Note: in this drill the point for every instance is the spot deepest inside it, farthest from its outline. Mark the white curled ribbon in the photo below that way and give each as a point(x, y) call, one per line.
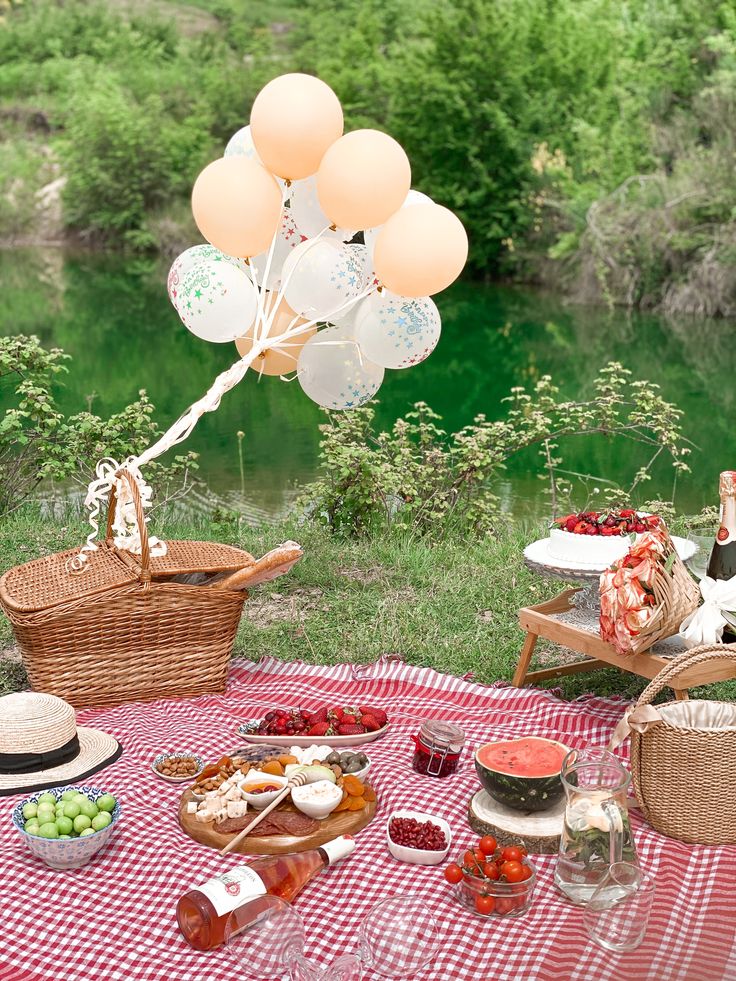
point(705, 625)
point(127, 536)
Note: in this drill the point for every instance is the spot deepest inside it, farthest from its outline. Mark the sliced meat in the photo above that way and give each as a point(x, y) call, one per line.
point(231, 825)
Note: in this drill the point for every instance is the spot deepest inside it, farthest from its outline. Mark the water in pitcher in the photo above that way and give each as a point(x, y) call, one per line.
point(596, 831)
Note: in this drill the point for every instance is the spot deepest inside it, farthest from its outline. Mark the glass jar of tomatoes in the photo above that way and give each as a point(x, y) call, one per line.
point(437, 748)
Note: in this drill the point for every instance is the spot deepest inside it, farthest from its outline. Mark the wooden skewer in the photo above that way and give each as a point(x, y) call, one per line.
point(298, 780)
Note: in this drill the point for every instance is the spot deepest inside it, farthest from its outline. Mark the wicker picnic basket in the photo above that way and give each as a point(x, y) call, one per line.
point(683, 757)
point(121, 630)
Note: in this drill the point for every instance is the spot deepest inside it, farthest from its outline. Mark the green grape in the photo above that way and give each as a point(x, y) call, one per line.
point(48, 830)
point(106, 803)
point(65, 825)
point(30, 810)
point(101, 821)
point(81, 823)
point(86, 832)
point(71, 809)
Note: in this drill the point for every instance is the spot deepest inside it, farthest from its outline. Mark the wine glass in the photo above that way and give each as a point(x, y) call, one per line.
point(397, 938)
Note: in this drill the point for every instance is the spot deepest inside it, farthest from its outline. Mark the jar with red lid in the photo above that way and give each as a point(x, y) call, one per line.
point(437, 748)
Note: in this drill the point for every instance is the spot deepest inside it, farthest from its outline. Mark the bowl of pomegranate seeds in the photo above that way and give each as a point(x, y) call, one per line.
point(418, 838)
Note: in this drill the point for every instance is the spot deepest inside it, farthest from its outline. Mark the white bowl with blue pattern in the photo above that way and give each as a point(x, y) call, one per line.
point(74, 852)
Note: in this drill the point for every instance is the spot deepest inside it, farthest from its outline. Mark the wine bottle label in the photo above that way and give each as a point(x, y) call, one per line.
point(727, 532)
point(338, 848)
point(232, 889)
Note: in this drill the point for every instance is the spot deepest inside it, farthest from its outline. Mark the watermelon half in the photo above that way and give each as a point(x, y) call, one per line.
point(522, 773)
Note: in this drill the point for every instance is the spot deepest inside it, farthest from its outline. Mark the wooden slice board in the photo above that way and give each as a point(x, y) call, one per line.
point(342, 823)
point(540, 830)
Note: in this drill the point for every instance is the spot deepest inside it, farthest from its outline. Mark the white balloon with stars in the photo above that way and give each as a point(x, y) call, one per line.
point(320, 277)
point(397, 331)
point(217, 301)
point(333, 371)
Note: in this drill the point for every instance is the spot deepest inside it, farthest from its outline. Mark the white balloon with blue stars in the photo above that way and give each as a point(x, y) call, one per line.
point(333, 371)
point(397, 331)
point(320, 276)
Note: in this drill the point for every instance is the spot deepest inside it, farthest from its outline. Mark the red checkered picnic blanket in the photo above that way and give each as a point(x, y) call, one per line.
point(115, 918)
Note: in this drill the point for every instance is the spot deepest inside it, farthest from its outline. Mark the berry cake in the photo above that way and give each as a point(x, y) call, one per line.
point(593, 538)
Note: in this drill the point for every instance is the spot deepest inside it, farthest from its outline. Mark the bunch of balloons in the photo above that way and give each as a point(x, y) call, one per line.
point(321, 259)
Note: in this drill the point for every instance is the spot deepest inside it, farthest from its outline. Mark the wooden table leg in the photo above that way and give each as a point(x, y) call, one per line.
point(681, 694)
point(524, 659)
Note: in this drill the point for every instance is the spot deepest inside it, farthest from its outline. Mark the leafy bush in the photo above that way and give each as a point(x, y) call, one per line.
point(39, 443)
point(123, 159)
point(419, 479)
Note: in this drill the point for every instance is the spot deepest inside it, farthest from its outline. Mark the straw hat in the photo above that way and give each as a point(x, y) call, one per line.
point(41, 745)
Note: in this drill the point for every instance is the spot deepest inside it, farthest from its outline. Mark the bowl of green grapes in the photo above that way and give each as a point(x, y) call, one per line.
point(66, 827)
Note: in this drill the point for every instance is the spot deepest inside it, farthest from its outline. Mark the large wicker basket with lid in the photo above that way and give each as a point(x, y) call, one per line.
point(121, 630)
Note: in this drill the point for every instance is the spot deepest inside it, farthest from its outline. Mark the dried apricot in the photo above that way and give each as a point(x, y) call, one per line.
point(287, 759)
point(274, 768)
point(356, 803)
point(344, 804)
point(353, 786)
point(369, 793)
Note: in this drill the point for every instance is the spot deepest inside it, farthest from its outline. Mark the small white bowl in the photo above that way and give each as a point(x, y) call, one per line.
point(318, 809)
point(419, 856)
point(259, 801)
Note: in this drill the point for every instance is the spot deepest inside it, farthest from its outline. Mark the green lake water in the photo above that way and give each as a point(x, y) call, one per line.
point(113, 316)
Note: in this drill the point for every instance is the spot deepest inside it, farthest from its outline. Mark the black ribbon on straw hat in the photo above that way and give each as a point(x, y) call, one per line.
point(30, 762)
point(41, 745)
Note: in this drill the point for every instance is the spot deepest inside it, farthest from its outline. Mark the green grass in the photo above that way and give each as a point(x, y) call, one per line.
point(452, 606)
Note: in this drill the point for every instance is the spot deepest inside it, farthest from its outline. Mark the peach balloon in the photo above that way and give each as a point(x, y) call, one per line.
point(420, 250)
point(363, 179)
point(236, 204)
point(277, 359)
point(293, 120)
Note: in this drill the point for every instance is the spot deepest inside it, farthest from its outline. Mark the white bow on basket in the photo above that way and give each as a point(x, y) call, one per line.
point(124, 525)
point(705, 625)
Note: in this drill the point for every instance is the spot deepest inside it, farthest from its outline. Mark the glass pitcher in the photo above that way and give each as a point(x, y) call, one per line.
point(596, 832)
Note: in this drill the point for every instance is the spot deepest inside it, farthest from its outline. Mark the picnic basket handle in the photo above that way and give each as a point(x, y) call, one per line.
point(687, 659)
point(145, 573)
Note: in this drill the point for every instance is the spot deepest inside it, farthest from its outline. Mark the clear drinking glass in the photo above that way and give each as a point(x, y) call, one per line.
point(397, 938)
point(617, 914)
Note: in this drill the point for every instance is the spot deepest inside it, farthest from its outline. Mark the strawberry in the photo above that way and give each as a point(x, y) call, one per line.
point(313, 718)
point(378, 714)
point(570, 523)
point(350, 730)
point(349, 719)
point(336, 714)
point(370, 722)
point(320, 729)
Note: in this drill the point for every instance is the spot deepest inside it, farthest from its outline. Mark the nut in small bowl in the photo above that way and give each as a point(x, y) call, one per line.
point(417, 838)
point(177, 767)
point(260, 789)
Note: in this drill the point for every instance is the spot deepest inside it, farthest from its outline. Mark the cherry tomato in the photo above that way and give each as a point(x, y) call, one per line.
point(479, 856)
point(511, 854)
point(484, 904)
point(527, 873)
point(488, 844)
point(453, 873)
point(490, 871)
point(514, 871)
point(504, 906)
point(470, 861)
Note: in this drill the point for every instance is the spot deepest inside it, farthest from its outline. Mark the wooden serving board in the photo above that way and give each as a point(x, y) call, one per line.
point(342, 823)
point(539, 830)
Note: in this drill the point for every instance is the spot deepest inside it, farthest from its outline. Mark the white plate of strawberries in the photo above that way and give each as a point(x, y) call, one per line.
point(336, 725)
